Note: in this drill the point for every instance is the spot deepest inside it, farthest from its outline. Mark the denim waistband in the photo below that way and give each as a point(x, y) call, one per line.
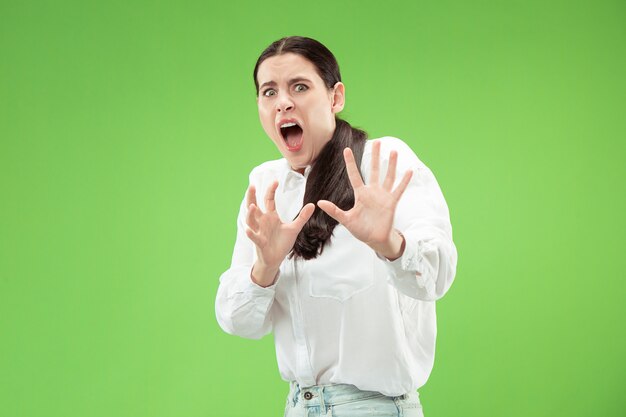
point(332, 394)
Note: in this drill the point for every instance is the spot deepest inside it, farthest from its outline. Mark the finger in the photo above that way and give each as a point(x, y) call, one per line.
point(333, 211)
point(397, 193)
point(375, 170)
point(251, 217)
point(353, 171)
point(304, 216)
point(251, 195)
point(270, 204)
point(391, 171)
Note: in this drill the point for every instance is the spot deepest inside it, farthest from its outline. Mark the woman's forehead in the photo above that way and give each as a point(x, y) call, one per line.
point(285, 67)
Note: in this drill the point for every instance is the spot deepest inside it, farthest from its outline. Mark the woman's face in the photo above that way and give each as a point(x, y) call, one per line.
point(296, 109)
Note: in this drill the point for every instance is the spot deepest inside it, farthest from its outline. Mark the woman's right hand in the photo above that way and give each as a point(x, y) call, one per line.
point(273, 238)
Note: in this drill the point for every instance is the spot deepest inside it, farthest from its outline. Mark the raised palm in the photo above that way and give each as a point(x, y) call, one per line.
point(273, 238)
point(371, 218)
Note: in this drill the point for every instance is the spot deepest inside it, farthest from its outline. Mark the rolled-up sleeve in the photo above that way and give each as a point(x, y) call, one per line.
point(427, 266)
point(242, 307)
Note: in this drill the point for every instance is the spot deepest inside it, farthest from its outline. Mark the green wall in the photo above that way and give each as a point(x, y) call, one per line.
point(127, 132)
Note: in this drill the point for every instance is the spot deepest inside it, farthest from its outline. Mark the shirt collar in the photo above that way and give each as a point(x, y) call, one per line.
point(294, 174)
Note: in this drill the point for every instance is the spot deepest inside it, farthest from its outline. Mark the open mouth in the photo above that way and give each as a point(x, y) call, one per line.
point(292, 135)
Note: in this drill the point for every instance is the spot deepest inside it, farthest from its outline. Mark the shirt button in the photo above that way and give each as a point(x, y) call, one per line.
point(308, 395)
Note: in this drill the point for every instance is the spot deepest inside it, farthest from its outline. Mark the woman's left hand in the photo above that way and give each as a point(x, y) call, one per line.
point(371, 218)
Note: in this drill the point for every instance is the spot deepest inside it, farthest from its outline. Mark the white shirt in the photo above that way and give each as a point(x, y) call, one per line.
point(348, 316)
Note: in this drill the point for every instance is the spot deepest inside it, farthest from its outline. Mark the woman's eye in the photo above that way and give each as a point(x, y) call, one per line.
point(301, 87)
point(269, 92)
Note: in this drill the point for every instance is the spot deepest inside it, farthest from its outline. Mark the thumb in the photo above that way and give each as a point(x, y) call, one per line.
point(304, 216)
point(332, 210)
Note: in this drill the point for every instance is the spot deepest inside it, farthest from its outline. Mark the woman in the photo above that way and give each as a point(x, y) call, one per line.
point(337, 255)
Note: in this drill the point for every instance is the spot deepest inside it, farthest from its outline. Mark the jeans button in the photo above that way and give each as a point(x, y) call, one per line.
point(308, 395)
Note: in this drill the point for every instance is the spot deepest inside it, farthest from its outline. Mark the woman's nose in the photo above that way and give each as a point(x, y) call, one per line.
point(284, 103)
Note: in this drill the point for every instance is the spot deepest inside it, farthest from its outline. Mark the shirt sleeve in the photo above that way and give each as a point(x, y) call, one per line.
point(243, 307)
point(427, 266)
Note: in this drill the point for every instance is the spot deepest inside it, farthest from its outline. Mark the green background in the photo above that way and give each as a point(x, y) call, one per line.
point(127, 132)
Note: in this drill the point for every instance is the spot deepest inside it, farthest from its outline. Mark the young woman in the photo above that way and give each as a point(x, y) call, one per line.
point(343, 245)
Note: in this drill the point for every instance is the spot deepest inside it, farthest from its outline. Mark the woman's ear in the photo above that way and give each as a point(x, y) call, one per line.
point(338, 97)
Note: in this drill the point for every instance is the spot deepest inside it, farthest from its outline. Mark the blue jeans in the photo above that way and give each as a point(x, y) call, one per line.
point(343, 400)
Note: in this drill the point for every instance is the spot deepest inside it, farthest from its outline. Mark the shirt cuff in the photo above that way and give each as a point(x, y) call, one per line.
point(253, 298)
point(264, 290)
point(246, 290)
point(411, 273)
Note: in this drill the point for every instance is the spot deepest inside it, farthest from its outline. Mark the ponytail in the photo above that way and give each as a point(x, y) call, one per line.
point(328, 180)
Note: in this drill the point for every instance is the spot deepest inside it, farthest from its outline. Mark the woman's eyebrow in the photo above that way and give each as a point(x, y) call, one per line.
point(298, 79)
point(268, 83)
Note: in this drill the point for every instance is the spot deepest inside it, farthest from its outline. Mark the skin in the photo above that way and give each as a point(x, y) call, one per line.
point(314, 106)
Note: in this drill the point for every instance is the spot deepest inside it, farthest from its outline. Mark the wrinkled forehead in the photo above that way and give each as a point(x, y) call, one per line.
point(281, 68)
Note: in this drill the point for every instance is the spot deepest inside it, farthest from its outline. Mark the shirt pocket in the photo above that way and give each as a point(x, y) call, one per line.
point(345, 268)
